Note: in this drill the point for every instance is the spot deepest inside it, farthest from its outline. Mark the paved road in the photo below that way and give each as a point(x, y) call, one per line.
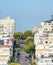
point(23, 59)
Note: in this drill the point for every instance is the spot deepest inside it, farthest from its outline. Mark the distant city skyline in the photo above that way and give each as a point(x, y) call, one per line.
point(27, 13)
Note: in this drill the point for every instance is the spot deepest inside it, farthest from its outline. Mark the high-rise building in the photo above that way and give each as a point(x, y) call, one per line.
point(7, 25)
point(7, 28)
point(43, 41)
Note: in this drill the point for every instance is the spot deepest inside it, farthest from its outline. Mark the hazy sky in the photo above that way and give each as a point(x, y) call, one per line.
point(27, 13)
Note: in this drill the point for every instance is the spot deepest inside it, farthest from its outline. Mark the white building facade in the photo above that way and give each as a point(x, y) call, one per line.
point(7, 28)
point(43, 41)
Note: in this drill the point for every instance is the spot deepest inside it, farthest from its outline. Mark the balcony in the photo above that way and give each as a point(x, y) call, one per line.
point(45, 61)
point(40, 47)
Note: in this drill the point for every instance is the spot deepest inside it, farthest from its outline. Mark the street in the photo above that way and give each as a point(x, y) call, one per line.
point(23, 55)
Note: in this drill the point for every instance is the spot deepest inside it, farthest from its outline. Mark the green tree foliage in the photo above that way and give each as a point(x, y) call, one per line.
point(23, 36)
point(33, 63)
point(29, 39)
point(18, 35)
point(28, 48)
point(18, 41)
point(27, 34)
point(16, 50)
point(12, 63)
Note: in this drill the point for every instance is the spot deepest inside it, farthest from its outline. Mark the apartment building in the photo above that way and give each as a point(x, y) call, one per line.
point(43, 40)
point(7, 25)
point(7, 28)
point(35, 29)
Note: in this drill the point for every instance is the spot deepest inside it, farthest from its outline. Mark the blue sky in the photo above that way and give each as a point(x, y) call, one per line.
point(27, 13)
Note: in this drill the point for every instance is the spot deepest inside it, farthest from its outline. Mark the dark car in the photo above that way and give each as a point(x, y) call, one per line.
point(29, 56)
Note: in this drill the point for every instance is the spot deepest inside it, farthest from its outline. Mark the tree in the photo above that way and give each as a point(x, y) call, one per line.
point(33, 63)
point(28, 48)
point(12, 63)
point(29, 39)
point(27, 34)
point(16, 50)
point(24, 35)
point(16, 54)
point(18, 41)
point(18, 35)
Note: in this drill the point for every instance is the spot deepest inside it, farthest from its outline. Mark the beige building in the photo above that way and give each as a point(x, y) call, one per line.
point(43, 40)
point(35, 29)
point(7, 25)
point(7, 28)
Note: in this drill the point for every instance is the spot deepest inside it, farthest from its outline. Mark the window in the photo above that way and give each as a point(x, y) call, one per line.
point(42, 56)
point(52, 60)
point(50, 42)
point(2, 42)
point(52, 26)
point(46, 29)
point(7, 41)
point(52, 29)
point(49, 24)
point(46, 42)
point(10, 49)
point(3, 36)
point(1, 28)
